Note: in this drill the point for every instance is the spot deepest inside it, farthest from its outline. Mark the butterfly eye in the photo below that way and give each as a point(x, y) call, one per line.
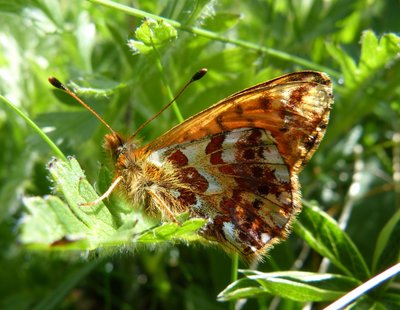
point(115, 145)
point(117, 151)
point(120, 150)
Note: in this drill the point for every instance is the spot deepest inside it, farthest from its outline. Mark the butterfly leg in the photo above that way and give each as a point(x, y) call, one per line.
point(162, 205)
point(105, 195)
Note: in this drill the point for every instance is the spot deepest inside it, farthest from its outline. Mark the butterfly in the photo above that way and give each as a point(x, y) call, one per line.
point(235, 164)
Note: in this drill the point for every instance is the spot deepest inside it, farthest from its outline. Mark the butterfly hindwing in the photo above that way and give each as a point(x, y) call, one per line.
point(240, 183)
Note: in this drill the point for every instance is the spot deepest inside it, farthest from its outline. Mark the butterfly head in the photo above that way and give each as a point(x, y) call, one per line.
point(115, 145)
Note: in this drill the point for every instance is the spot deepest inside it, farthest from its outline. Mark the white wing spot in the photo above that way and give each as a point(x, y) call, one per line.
point(265, 238)
point(198, 204)
point(213, 185)
point(229, 232)
point(175, 193)
point(191, 150)
point(155, 159)
point(271, 155)
point(228, 156)
point(282, 174)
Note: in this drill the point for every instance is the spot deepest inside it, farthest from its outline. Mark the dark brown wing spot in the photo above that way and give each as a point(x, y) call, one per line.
point(284, 128)
point(238, 109)
point(297, 95)
point(263, 189)
point(257, 203)
point(228, 169)
point(265, 103)
point(220, 122)
point(322, 125)
point(253, 139)
point(257, 172)
point(187, 197)
point(215, 143)
point(248, 154)
point(216, 158)
point(178, 158)
point(309, 144)
point(193, 178)
point(260, 152)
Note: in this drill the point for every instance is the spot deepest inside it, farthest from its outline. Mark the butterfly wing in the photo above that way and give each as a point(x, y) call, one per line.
point(240, 159)
point(240, 183)
point(294, 108)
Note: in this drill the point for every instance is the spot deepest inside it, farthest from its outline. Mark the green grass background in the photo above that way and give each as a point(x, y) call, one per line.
point(354, 176)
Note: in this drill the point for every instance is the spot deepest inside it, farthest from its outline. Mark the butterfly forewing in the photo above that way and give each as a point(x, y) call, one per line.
point(293, 108)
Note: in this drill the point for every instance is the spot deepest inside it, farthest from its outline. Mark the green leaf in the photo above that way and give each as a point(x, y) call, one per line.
point(138, 47)
point(52, 221)
point(387, 251)
point(392, 299)
point(171, 230)
point(367, 82)
point(376, 54)
point(70, 182)
point(242, 288)
point(64, 224)
point(294, 285)
point(152, 34)
point(324, 235)
point(49, 220)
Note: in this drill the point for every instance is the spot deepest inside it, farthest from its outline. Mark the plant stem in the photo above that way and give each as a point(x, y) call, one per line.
point(234, 276)
point(166, 85)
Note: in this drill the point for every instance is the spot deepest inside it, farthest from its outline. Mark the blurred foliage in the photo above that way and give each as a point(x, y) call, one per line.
point(98, 48)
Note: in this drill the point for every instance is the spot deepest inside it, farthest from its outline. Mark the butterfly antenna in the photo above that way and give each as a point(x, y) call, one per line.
point(197, 76)
point(57, 84)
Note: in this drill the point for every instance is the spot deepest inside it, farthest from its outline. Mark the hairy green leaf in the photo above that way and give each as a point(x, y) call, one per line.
point(294, 285)
point(324, 235)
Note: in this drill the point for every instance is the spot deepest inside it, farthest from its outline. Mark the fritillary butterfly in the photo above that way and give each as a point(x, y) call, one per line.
point(235, 164)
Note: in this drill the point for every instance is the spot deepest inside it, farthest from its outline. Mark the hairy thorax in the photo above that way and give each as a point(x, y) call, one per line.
point(156, 186)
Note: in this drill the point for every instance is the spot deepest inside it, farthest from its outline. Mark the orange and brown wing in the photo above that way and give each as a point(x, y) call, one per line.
point(294, 108)
point(239, 182)
point(239, 159)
